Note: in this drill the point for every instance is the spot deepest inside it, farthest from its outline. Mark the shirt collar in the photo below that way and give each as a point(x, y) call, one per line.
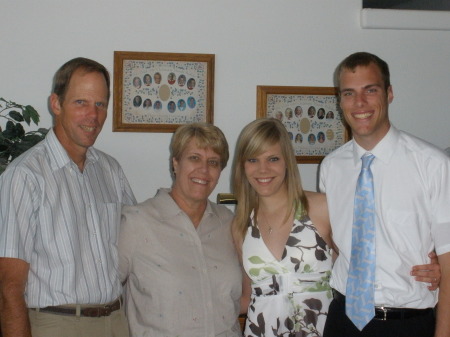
point(169, 207)
point(383, 151)
point(58, 155)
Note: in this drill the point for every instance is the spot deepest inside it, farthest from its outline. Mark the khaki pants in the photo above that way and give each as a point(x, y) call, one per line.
point(54, 325)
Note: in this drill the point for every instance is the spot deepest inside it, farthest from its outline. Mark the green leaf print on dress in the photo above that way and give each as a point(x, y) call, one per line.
point(290, 297)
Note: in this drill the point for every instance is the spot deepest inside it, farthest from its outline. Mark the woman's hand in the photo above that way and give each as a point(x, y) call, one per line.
point(430, 273)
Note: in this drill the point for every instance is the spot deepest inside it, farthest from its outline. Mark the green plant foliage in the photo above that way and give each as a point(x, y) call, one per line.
point(13, 138)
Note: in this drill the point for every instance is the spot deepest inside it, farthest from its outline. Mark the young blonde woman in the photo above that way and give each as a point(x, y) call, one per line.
point(283, 236)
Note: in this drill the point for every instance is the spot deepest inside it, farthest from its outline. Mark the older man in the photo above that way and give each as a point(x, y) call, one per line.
point(59, 218)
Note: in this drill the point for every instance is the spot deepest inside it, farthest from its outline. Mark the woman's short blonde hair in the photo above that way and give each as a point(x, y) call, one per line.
point(206, 136)
point(254, 139)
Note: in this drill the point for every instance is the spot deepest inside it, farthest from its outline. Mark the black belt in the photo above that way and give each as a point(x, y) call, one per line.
point(386, 313)
point(100, 311)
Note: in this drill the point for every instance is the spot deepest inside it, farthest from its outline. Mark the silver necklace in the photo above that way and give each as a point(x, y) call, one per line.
point(270, 229)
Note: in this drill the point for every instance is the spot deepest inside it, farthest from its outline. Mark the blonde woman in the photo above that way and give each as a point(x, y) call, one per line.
point(283, 235)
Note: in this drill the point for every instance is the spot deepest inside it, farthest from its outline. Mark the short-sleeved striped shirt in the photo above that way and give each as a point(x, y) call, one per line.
point(64, 223)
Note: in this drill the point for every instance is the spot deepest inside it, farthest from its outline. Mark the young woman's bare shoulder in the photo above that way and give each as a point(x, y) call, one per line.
point(318, 213)
point(315, 197)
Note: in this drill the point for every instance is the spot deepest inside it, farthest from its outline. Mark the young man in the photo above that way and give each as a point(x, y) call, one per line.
point(411, 213)
point(59, 217)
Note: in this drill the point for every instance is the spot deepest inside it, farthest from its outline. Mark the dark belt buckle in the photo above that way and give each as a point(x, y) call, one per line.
point(384, 310)
point(107, 310)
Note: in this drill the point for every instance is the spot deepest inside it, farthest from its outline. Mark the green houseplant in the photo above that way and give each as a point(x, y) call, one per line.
point(13, 138)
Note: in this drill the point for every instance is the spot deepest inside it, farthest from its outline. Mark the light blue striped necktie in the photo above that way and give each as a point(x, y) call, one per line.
point(359, 301)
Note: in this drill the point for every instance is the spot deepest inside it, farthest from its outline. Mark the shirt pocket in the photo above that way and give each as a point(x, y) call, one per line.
point(109, 220)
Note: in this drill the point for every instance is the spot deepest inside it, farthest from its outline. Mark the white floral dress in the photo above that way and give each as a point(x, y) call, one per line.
point(289, 297)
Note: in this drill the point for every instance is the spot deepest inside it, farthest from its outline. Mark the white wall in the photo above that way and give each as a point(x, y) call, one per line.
point(256, 42)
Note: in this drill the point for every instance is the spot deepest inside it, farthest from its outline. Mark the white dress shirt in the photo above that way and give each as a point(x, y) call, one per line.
point(412, 202)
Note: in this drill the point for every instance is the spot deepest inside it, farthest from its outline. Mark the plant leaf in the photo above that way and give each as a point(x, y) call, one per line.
point(17, 116)
point(20, 131)
point(32, 138)
point(43, 131)
point(26, 115)
point(32, 113)
point(9, 126)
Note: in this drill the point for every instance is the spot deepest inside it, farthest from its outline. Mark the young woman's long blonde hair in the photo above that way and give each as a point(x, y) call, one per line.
point(254, 140)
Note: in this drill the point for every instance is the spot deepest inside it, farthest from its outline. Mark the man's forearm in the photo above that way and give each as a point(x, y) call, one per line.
point(443, 309)
point(14, 315)
point(442, 320)
point(13, 310)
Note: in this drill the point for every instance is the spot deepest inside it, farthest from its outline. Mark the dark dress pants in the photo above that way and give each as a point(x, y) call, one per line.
point(339, 325)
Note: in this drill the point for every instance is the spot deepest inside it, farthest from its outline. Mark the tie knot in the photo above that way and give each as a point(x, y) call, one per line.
point(367, 160)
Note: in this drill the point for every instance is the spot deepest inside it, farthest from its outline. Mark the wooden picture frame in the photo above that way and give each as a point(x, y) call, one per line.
point(157, 92)
point(310, 114)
